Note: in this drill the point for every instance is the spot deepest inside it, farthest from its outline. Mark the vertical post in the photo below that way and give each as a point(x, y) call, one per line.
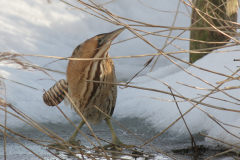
point(219, 9)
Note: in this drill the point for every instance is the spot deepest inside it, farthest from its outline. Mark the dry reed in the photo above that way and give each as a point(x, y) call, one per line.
point(99, 11)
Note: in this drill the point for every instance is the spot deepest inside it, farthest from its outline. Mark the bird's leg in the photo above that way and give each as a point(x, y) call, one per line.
point(116, 143)
point(72, 139)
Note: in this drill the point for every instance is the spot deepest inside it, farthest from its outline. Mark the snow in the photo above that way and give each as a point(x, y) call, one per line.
point(132, 102)
point(39, 28)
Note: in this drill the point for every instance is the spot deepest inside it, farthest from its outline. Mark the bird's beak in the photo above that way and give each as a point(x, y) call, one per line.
point(109, 37)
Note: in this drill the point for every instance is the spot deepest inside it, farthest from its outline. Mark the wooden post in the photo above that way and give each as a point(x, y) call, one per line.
point(215, 8)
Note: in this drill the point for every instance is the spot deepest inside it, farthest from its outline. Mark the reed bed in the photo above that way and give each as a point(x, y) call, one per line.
point(100, 11)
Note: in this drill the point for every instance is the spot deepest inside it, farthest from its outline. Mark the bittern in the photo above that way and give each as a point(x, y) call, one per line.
point(85, 94)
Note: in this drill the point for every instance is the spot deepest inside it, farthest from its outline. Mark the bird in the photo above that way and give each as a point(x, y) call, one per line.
point(82, 94)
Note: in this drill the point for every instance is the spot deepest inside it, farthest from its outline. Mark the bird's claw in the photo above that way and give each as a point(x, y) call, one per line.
point(117, 145)
point(72, 142)
point(112, 147)
point(57, 146)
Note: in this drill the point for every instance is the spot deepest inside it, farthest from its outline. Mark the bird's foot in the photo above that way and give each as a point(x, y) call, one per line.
point(72, 142)
point(117, 145)
point(57, 146)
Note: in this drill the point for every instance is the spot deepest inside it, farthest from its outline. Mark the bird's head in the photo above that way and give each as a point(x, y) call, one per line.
point(97, 46)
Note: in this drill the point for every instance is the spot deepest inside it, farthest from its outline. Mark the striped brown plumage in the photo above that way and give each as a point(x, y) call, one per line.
point(56, 94)
point(85, 95)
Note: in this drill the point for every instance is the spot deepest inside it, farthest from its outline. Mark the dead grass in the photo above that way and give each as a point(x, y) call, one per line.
point(98, 10)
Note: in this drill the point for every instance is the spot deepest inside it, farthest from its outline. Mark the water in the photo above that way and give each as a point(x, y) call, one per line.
point(164, 142)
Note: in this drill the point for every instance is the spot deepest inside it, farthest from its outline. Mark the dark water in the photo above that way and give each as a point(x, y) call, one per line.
point(165, 142)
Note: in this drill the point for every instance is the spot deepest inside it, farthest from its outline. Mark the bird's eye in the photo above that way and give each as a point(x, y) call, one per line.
point(99, 40)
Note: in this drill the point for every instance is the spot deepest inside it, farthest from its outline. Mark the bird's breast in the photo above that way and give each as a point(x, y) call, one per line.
point(87, 94)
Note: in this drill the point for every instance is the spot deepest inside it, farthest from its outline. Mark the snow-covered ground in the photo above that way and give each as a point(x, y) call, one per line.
point(39, 28)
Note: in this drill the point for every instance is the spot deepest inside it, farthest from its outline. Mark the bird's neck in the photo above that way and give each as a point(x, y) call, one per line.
point(102, 52)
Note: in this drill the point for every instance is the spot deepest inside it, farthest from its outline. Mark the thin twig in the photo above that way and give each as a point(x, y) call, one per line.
point(160, 91)
point(167, 37)
point(194, 105)
point(192, 138)
point(135, 135)
point(219, 141)
point(21, 144)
